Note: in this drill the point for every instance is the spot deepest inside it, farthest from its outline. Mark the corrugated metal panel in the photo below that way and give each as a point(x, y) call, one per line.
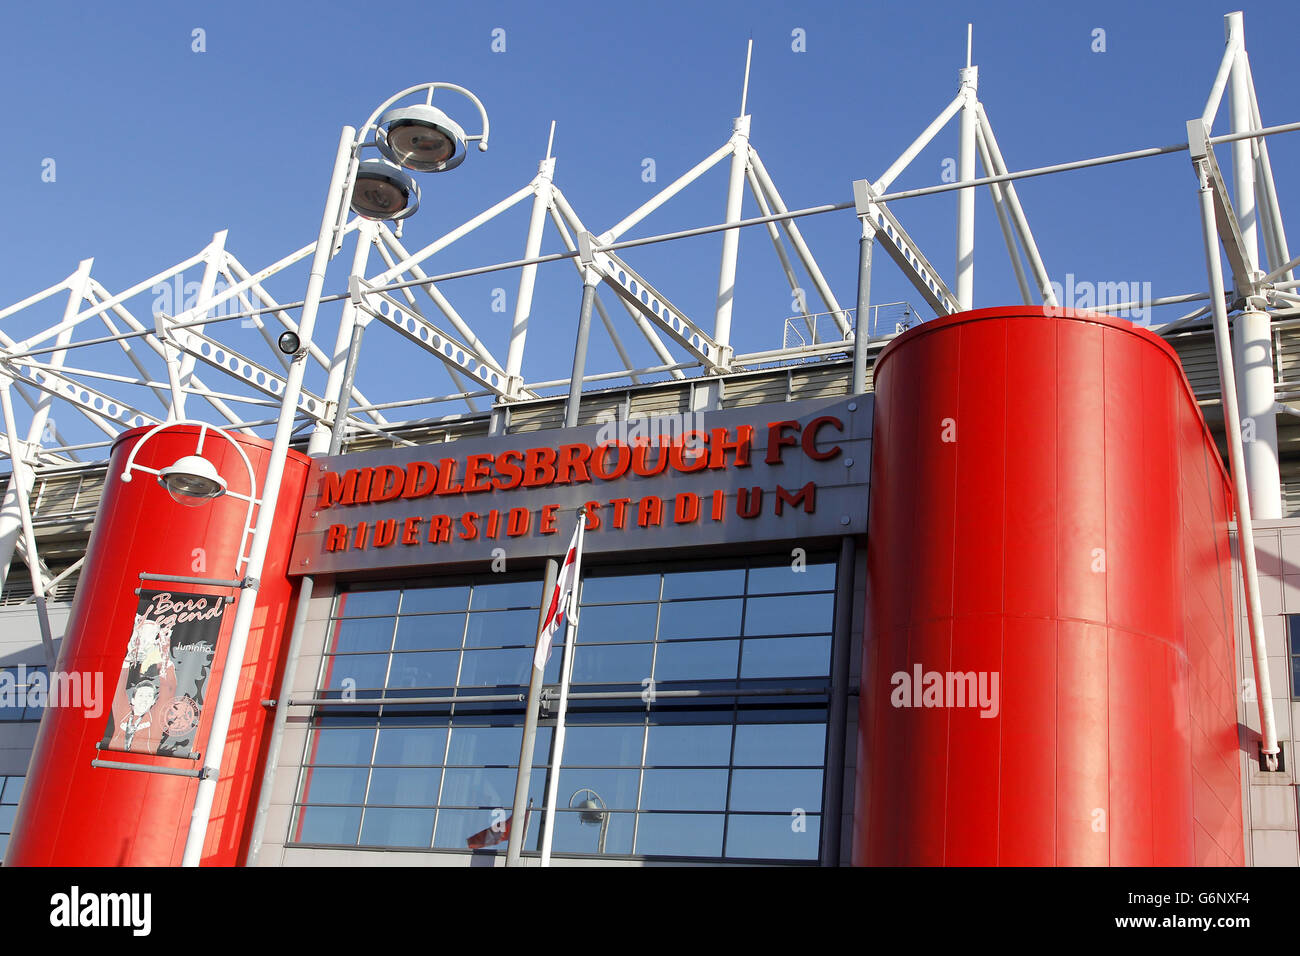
point(819, 382)
point(536, 417)
point(1196, 352)
point(18, 586)
point(663, 401)
point(755, 390)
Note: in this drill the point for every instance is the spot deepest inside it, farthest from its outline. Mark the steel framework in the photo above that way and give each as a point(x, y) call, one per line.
point(163, 350)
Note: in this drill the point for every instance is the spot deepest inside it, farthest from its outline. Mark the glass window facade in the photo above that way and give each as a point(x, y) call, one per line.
point(715, 748)
point(11, 789)
point(15, 702)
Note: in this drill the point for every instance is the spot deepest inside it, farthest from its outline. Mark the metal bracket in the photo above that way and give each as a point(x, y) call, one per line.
point(1246, 281)
point(903, 250)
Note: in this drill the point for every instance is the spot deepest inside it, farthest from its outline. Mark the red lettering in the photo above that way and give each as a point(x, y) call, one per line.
point(621, 463)
point(686, 508)
point(719, 446)
point(810, 438)
point(695, 462)
point(336, 538)
point(336, 489)
point(546, 524)
point(778, 439)
point(494, 524)
point(439, 529)
point(359, 542)
point(639, 449)
point(421, 479)
point(469, 526)
point(517, 521)
point(650, 511)
point(749, 501)
point(385, 531)
point(620, 512)
point(592, 515)
point(807, 496)
point(571, 465)
point(719, 502)
point(380, 487)
point(508, 468)
point(478, 472)
point(447, 484)
point(411, 531)
point(363, 486)
point(539, 467)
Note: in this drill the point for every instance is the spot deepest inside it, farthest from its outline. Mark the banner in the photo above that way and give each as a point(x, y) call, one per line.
point(159, 694)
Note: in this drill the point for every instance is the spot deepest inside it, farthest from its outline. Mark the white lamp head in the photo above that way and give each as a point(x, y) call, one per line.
point(192, 481)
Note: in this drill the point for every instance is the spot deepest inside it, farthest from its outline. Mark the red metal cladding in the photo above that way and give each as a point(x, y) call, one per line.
point(75, 814)
point(1048, 668)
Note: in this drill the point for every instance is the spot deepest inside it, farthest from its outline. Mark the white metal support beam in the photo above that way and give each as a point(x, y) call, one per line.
point(903, 250)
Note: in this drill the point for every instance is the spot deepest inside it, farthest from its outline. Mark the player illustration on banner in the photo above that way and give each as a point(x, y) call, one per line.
point(158, 700)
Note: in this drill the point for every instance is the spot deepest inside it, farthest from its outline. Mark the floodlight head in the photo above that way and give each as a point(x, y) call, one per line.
point(192, 481)
point(383, 192)
point(422, 138)
point(288, 343)
point(589, 811)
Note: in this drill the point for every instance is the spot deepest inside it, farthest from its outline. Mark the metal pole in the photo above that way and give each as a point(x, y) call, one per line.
point(1241, 495)
point(731, 238)
point(528, 274)
point(580, 348)
point(349, 377)
point(29, 536)
point(862, 328)
point(566, 676)
point(519, 810)
point(338, 384)
point(837, 729)
point(965, 286)
point(234, 662)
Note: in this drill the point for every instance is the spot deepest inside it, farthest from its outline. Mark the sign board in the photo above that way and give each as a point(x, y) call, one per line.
point(772, 473)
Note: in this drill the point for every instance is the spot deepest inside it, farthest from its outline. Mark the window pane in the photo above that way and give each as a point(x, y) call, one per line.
point(362, 603)
point(778, 837)
point(611, 664)
point(344, 745)
point(794, 614)
point(431, 669)
point(455, 827)
point(573, 835)
point(780, 745)
point(626, 587)
point(365, 670)
point(783, 790)
point(13, 789)
point(502, 629)
point(679, 834)
point(431, 631)
point(416, 787)
point(425, 600)
point(346, 785)
point(704, 583)
point(617, 789)
point(603, 746)
point(787, 657)
point(700, 619)
point(697, 660)
point(412, 828)
point(485, 746)
point(783, 577)
point(328, 825)
point(684, 790)
point(507, 594)
point(497, 668)
point(363, 634)
point(617, 623)
point(670, 745)
point(7, 814)
point(411, 746)
point(490, 788)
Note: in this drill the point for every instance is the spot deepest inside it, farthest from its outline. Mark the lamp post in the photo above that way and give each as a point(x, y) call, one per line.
point(419, 137)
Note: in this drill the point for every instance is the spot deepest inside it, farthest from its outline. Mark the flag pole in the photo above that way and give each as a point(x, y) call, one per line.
point(517, 834)
point(566, 674)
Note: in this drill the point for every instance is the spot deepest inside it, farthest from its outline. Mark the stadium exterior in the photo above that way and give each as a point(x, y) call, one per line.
point(964, 592)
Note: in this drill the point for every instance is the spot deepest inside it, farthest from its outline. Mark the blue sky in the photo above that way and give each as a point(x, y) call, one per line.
point(157, 146)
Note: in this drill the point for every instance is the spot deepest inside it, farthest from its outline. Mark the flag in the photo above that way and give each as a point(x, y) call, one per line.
point(494, 835)
point(562, 598)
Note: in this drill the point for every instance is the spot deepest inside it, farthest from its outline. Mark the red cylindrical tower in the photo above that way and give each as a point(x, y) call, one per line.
point(1048, 536)
point(75, 814)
